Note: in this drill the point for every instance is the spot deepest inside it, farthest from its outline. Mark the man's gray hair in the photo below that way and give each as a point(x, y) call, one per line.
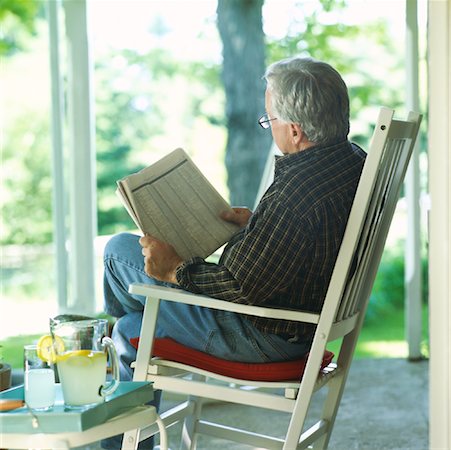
point(311, 94)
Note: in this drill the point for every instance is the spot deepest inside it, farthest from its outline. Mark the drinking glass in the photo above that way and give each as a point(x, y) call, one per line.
point(39, 381)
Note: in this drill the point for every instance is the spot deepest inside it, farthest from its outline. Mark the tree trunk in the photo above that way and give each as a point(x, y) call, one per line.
point(240, 27)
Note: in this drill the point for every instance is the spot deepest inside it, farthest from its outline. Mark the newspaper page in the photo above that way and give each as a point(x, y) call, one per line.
point(173, 201)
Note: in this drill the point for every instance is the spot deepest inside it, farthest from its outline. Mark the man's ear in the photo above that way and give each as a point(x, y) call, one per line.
point(297, 135)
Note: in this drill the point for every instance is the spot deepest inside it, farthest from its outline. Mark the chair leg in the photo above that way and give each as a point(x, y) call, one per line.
point(189, 431)
point(335, 393)
point(130, 440)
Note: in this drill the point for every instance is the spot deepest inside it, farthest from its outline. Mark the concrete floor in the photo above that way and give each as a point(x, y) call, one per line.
point(384, 407)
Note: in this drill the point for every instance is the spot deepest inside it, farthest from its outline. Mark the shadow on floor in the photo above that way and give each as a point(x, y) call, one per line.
point(384, 407)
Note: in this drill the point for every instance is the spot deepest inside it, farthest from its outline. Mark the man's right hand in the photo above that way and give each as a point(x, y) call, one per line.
point(239, 216)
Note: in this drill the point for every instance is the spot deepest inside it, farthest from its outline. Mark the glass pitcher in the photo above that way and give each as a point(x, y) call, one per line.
point(82, 350)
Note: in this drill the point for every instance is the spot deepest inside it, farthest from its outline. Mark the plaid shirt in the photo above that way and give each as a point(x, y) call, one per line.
point(284, 257)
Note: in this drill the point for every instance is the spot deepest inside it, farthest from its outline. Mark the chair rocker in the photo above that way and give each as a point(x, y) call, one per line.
point(274, 386)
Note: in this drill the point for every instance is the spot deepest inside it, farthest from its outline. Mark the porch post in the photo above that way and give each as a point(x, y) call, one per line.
point(59, 188)
point(412, 280)
point(439, 69)
point(83, 221)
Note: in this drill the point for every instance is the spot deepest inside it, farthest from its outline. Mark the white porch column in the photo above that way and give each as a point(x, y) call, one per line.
point(83, 221)
point(59, 188)
point(413, 276)
point(439, 68)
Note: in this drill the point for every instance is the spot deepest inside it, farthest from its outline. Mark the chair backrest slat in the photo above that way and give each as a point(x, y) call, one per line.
point(384, 183)
point(371, 213)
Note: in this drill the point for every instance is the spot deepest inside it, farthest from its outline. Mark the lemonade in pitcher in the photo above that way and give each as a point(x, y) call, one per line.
point(81, 350)
point(82, 374)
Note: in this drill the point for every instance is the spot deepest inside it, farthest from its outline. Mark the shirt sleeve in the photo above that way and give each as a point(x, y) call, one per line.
point(263, 262)
point(201, 277)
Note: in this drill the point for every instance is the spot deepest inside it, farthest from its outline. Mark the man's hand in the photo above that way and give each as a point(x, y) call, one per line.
point(240, 216)
point(160, 259)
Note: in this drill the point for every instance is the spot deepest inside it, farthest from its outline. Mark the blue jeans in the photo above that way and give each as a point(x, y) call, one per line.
point(224, 334)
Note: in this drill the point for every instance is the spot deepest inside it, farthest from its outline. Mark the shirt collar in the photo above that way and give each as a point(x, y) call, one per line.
point(283, 162)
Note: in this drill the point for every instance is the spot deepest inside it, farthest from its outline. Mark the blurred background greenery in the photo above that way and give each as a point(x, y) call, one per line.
point(171, 87)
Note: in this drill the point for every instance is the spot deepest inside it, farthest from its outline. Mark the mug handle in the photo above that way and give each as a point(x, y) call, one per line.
point(112, 356)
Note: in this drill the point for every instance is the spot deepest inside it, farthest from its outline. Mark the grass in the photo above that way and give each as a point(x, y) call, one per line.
point(382, 337)
point(11, 350)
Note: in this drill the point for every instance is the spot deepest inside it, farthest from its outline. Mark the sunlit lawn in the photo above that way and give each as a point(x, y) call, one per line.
point(384, 337)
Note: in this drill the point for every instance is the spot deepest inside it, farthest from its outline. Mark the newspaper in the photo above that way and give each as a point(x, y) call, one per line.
point(174, 202)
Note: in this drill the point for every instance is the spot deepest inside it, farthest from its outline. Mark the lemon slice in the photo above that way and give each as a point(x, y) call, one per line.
point(47, 348)
point(81, 357)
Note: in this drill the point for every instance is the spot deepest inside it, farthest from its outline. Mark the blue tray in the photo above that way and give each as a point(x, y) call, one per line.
point(128, 395)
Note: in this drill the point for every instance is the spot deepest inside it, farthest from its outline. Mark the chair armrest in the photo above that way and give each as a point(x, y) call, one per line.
point(181, 296)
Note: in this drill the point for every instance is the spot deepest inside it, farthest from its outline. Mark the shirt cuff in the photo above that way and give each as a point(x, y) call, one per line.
point(183, 276)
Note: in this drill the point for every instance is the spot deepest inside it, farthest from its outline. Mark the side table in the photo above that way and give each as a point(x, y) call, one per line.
point(63, 429)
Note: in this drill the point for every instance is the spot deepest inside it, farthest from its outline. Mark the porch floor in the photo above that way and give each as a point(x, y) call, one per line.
point(385, 406)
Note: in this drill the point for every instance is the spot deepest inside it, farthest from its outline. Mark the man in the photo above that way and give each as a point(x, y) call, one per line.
point(284, 253)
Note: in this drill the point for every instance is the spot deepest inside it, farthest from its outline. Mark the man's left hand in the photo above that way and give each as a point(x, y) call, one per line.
point(160, 259)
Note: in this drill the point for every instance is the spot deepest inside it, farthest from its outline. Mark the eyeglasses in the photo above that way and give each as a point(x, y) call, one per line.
point(264, 121)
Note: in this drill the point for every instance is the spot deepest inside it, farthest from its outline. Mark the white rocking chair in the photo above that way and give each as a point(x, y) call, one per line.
point(184, 371)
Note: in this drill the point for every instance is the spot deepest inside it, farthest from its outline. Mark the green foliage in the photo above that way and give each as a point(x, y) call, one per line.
point(384, 337)
point(333, 41)
point(17, 22)
point(134, 114)
point(27, 185)
point(120, 129)
point(144, 99)
point(133, 111)
point(388, 290)
point(12, 349)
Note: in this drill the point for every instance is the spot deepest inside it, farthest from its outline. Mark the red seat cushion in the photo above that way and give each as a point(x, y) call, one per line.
point(167, 348)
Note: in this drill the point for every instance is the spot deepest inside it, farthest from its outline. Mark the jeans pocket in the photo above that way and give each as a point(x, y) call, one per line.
point(222, 344)
point(278, 349)
point(236, 346)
